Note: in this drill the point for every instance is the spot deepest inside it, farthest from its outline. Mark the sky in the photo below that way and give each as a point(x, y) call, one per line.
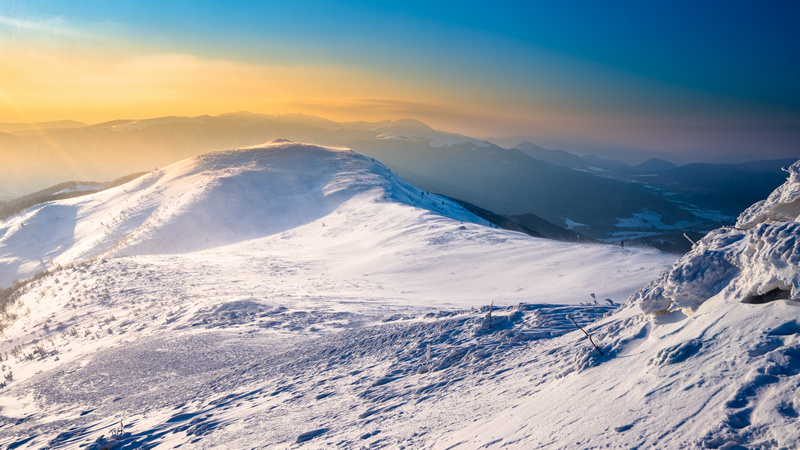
point(667, 76)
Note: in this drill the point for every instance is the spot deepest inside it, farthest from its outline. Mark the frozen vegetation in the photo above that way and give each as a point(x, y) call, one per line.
point(296, 296)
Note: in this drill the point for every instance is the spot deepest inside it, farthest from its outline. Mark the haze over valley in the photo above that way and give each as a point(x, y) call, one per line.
point(653, 202)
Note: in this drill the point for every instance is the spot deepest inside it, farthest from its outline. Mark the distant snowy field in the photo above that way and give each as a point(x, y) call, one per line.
point(296, 296)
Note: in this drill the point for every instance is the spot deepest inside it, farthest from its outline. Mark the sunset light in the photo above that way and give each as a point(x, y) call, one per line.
point(347, 224)
point(671, 79)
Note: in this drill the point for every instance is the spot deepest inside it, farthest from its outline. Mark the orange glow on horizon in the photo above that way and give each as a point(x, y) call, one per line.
point(103, 85)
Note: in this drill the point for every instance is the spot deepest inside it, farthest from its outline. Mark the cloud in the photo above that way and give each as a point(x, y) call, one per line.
point(386, 107)
point(53, 27)
point(110, 83)
point(449, 116)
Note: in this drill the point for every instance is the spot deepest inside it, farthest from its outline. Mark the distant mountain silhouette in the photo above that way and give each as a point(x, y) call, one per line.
point(549, 230)
point(39, 126)
point(607, 164)
point(654, 164)
point(557, 157)
point(609, 197)
point(68, 189)
point(529, 224)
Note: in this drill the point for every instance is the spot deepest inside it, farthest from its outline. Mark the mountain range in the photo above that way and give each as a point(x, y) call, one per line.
point(602, 199)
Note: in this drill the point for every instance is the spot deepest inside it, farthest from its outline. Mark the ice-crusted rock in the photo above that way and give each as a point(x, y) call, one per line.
point(757, 261)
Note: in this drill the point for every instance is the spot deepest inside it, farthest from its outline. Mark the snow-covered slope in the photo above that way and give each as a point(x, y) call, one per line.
point(330, 201)
point(705, 356)
point(278, 296)
point(203, 202)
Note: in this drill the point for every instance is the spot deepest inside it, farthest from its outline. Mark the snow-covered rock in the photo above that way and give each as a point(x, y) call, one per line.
point(755, 262)
point(783, 205)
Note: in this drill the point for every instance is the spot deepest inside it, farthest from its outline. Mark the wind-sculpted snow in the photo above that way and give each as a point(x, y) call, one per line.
point(783, 205)
point(697, 276)
point(771, 264)
point(757, 261)
point(145, 359)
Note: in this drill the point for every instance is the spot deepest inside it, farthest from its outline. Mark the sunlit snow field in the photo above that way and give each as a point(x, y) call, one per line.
point(299, 296)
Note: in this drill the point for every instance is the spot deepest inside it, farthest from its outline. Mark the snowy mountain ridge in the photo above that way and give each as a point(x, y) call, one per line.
point(643, 205)
point(211, 200)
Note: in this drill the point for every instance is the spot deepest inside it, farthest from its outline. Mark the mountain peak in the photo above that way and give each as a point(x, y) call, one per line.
point(528, 145)
point(656, 164)
point(412, 124)
point(207, 201)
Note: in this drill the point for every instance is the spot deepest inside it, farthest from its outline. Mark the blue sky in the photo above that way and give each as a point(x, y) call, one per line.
point(656, 75)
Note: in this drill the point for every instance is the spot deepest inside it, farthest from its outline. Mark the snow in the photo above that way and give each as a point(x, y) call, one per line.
point(285, 284)
point(649, 220)
point(783, 205)
point(79, 188)
point(319, 204)
point(705, 356)
point(726, 377)
point(571, 224)
point(334, 305)
point(759, 257)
